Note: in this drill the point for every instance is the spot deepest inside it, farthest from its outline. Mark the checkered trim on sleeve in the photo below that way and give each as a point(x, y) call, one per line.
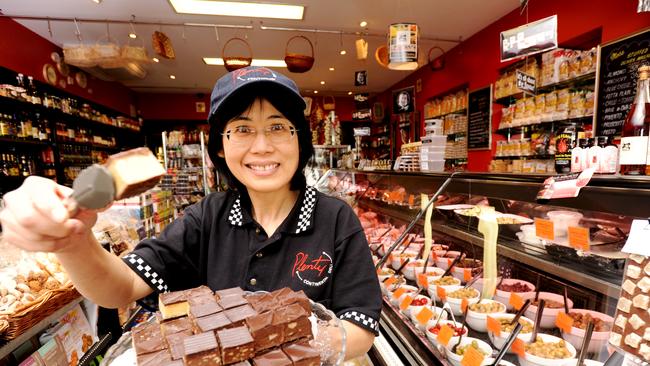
point(146, 272)
point(236, 217)
point(306, 210)
point(362, 320)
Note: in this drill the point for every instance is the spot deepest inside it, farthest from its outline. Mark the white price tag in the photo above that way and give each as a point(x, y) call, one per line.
point(637, 241)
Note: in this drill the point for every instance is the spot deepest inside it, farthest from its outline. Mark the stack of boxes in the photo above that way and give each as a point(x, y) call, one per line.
point(432, 151)
point(409, 159)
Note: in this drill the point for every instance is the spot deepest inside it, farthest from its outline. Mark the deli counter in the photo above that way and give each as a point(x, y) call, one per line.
point(589, 275)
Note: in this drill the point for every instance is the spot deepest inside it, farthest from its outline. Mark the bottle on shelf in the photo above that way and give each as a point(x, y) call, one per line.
point(634, 137)
point(593, 154)
point(565, 141)
point(608, 161)
point(4, 126)
point(578, 156)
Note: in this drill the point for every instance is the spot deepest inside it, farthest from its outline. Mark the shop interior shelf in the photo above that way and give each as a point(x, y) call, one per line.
point(440, 116)
point(25, 142)
point(582, 120)
point(581, 80)
point(547, 156)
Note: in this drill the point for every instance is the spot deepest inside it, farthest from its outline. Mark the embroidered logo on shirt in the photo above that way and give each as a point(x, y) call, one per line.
point(312, 272)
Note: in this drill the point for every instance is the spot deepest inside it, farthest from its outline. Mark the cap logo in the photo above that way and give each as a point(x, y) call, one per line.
point(247, 74)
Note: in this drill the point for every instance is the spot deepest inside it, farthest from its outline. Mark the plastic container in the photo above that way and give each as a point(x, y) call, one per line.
point(455, 359)
point(435, 140)
point(549, 315)
point(500, 341)
point(432, 165)
point(396, 301)
point(433, 338)
point(478, 321)
point(437, 312)
point(598, 339)
point(562, 220)
point(454, 303)
point(504, 296)
point(532, 360)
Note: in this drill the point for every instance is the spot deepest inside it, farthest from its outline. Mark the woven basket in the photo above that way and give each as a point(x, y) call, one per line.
point(107, 53)
point(136, 54)
point(296, 62)
point(79, 55)
point(162, 45)
point(381, 56)
point(25, 317)
point(438, 63)
point(237, 62)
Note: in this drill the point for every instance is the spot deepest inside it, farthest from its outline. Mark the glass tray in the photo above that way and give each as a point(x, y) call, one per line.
point(324, 324)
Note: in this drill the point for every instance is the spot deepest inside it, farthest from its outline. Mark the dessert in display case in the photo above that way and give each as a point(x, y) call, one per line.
point(453, 284)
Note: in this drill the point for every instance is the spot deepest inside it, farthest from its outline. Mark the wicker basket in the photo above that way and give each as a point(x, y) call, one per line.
point(79, 55)
point(25, 317)
point(438, 63)
point(162, 45)
point(237, 62)
point(137, 54)
point(107, 53)
point(296, 62)
point(381, 56)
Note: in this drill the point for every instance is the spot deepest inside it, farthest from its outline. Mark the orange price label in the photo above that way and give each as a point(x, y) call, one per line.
point(390, 281)
point(467, 274)
point(434, 255)
point(493, 326)
point(424, 316)
point(516, 301)
point(472, 357)
point(444, 334)
point(564, 322)
point(442, 293)
point(423, 280)
point(399, 292)
point(405, 303)
point(519, 347)
point(579, 238)
point(411, 200)
point(545, 229)
point(449, 261)
point(463, 305)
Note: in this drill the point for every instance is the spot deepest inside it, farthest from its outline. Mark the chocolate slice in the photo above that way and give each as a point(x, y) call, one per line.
point(154, 359)
point(294, 321)
point(243, 363)
point(265, 334)
point(201, 291)
point(173, 297)
point(291, 297)
point(176, 325)
point(175, 344)
point(201, 350)
point(229, 291)
point(147, 338)
point(211, 323)
point(302, 354)
point(232, 301)
point(173, 304)
point(201, 306)
point(262, 302)
point(236, 344)
point(272, 358)
point(239, 314)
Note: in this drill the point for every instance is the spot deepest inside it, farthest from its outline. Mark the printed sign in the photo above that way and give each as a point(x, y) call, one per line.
point(529, 39)
point(525, 82)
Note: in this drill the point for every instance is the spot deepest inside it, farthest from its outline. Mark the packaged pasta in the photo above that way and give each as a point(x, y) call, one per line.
point(577, 104)
point(589, 103)
point(562, 109)
point(550, 105)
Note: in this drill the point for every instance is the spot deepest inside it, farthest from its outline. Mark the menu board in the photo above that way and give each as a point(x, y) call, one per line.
point(616, 80)
point(479, 117)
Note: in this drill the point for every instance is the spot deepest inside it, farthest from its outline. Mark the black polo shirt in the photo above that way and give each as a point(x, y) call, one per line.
point(320, 248)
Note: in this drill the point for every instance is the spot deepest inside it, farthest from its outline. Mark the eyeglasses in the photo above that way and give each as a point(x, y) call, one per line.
point(277, 133)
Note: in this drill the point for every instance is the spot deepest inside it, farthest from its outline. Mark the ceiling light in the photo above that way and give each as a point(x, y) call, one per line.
point(322, 83)
point(173, 77)
point(343, 52)
point(315, 91)
point(238, 9)
point(363, 23)
point(97, 1)
point(349, 93)
point(155, 59)
point(133, 35)
point(256, 62)
point(331, 69)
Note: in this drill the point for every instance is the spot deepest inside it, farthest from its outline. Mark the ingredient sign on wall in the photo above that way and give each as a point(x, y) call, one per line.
point(479, 111)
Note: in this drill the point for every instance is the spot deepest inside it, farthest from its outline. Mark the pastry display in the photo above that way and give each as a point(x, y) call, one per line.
point(198, 327)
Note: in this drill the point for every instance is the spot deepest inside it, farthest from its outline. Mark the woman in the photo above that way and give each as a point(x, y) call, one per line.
point(268, 232)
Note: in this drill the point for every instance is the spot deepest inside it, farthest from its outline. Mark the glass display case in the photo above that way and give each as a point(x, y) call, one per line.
point(590, 275)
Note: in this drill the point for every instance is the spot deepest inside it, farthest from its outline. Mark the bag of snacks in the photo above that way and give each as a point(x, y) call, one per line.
point(562, 108)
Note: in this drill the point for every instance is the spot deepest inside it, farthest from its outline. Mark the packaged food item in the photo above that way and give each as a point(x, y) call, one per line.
point(565, 141)
point(520, 112)
point(550, 106)
point(574, 65)
point(577, 104)
point(540, 105)
point(588, 61)
point(564, 69)
point(562, 108)
point(589, 103)
point(530, 109)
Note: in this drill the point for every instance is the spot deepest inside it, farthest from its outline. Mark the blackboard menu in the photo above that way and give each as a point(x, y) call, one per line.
point(479, 117)
point(617, 77)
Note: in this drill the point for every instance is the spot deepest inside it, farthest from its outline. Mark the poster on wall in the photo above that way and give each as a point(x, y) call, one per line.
point(479, 117)
point(360, 78)
point(618, 69)
point(404, 100)
point(528, 39)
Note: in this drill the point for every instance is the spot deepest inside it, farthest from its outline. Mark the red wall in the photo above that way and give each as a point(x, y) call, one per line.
point(476, 60)
point(26, 52)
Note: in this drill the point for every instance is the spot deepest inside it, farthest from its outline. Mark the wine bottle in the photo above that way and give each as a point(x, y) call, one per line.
point(634, 137)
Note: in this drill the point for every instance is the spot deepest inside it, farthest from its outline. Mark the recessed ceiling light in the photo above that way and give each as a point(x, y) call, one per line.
point(331, 69)
point(349, 93)
point(322, 82)
point(256, 62)
point(343, 52)
point(133, 35)
point(363, 23)
point(155, 59)
point(173, 77)
point(239, 9)
point(315, 91)
point(97, 1)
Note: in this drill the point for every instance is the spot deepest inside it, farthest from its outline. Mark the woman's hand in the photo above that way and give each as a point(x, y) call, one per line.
point(35, 218)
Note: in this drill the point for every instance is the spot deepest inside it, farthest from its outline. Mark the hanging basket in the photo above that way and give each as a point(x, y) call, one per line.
point(329, 103)
point(381, 56)
point(296, 62)
point(437, 63)
point(137, 54)
point(162, 45)
point(107, 53)
point(237, 62)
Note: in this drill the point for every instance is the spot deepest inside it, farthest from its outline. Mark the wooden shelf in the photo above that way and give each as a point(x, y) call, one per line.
point(506, 130)
point(25, 142)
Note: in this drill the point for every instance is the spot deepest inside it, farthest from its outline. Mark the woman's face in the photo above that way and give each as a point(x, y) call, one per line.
point(264, 162)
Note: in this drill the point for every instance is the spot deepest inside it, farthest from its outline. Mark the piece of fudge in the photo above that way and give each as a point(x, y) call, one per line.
point(238, 315)
point(265, 334)
point(203, 306)
point(211, 323)
point(272, 358)
point(302, 354)
point(175, 344)
point(236, 344)
point(201, 350)
point(262, 302)
point(232, 301)
point(201, 291)
point(173, 304)
point(159, 358)
point(147, 338)
point(294, 321)
point(292, 297)
point(228, 291)
point(134, 171)
point(176, 325)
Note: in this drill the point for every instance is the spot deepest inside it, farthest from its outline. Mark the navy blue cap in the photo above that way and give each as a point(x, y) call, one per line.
point(245, 78)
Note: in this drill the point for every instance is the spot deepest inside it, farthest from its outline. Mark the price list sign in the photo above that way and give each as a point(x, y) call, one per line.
point(530, 38)
point(479, 117)
point(617, 76)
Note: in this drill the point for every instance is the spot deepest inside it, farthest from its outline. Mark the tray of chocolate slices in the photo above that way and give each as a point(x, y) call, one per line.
point(233, 327)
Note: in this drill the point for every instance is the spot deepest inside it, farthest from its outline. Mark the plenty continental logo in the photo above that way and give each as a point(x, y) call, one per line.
point(312, 272)
point(247, 74)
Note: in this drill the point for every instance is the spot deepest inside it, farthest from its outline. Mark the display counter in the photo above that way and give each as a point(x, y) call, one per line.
point(387, 201)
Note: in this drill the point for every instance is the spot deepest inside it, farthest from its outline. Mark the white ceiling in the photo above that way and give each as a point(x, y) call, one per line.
point(448, 19)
